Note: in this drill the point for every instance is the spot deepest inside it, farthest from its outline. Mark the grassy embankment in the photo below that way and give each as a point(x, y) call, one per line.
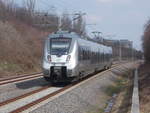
point(20, 48)
point(123, 87)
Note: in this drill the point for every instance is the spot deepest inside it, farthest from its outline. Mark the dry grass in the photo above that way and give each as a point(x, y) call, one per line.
point(20, 48)
point(124, 99)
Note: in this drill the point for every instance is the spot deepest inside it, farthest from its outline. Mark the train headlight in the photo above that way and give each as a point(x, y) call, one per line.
point(68, 58)
point(49, 58)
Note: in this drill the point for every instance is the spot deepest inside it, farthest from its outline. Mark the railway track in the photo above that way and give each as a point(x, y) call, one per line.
point(20, 78)
point(30, 99)
point(24, 102)
point(24, 77)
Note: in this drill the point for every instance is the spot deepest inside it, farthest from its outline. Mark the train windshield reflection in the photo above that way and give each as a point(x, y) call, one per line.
point(59, 46)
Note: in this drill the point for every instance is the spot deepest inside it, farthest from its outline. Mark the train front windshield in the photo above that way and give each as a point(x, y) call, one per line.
point(59, 46)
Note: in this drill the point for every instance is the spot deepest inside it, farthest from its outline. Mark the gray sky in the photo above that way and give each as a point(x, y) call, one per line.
point(123, 18)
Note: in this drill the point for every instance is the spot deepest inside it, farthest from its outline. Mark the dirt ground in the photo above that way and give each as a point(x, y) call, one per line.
point(144, 87)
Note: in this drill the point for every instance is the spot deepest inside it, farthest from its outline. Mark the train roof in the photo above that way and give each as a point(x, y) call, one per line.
point(68, 34)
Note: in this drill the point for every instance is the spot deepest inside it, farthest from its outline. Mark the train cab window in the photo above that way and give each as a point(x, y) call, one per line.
point(60, 46)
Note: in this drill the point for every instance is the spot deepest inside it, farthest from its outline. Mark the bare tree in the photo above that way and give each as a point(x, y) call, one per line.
point(30, 6)
point(10, 8)
point(66, 23)
point(29, 9)
point(146, 42)
point(2, 10)
point(79, 26)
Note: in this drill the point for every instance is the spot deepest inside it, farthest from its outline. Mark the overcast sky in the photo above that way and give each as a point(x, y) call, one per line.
point(123, 19)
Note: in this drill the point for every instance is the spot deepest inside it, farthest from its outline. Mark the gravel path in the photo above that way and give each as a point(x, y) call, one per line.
point(17, 89)
point(88, 97)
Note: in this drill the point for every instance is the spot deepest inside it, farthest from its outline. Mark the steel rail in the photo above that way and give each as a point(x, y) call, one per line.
point(27, 106)
point(19, 78)
point(20, 109)
point(23, 96)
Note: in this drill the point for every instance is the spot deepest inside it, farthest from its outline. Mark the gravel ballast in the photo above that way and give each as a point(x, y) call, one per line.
point(84, 98)
point(16, 89)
